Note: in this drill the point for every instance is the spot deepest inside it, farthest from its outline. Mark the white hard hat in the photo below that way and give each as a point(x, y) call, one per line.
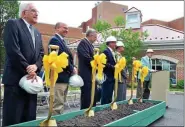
point(111, 38)
point(31, 87)
point(76, 81)
point(119, 44)
point(102, 80)
point(149, 50)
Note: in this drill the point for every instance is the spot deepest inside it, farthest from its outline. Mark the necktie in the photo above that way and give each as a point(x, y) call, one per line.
point(150, 63)
point(32, 35)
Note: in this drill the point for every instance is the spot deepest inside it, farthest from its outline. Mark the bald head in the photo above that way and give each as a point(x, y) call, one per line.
point(61, 28)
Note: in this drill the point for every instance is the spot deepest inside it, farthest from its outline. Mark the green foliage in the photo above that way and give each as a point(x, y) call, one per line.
point(103, 47)
point(119, 21)
point(180, 84)
point(8, 10)
point(133, 41)
point(101, 25)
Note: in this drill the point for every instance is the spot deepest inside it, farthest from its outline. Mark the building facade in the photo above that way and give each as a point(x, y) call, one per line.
point(165, 38)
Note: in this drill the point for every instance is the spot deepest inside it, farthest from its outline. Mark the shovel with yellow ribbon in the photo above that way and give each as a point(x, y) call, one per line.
point(97, 65)
point(136, 65)
point(53, 64)
point(144, 73)
point(120, 65)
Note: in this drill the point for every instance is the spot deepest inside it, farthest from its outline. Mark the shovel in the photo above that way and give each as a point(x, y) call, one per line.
point(132, 87)
point(89, 112)
point(141, 97)
point(113, 103)
point(51, 122)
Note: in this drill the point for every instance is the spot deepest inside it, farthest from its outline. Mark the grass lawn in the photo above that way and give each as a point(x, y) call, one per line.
point(177, 89)
point(171, 89)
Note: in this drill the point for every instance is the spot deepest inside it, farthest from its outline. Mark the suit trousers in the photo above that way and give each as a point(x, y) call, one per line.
point(18, 105)
point(145, 90)
point(122, 91)
point(107, 92)
point(85, 99)
point(59, 98)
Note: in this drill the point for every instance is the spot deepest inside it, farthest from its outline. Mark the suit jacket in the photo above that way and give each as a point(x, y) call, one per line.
point(85, 51)
point(145, 62)
point(109, 68)
point(20, 51)
point(64, 76)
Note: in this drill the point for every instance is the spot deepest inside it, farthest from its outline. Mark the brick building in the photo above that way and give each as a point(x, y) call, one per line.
point(166, 38)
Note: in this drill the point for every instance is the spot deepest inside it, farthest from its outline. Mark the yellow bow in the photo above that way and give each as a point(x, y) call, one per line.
point(120, 65)
point(98, 64)
point(136, 66)
point(56, 63)
point(144, 73)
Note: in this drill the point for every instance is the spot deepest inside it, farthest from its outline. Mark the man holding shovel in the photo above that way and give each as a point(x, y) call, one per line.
point(61, 86)
point(122, 87)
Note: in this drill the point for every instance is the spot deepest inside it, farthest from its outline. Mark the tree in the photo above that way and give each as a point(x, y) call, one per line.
point(8, 10)
point(101, 25)
point(119, 21)
point(133, 41)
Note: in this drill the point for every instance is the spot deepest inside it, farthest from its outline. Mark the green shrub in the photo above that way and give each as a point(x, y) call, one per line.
point(180, 84)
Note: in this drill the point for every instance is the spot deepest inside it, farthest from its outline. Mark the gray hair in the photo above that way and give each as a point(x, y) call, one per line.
point(58, 24)
point(89, 32)
point(23, 7)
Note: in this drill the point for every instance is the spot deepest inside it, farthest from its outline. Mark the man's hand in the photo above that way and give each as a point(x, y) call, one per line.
point(75, 70)
point(32, 76)
point(133, 58)
point(153, 71)
point(31, 68)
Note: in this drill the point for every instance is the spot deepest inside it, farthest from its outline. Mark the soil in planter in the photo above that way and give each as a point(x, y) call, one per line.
point(101, 117)
point(141, 106)
point(105, 116)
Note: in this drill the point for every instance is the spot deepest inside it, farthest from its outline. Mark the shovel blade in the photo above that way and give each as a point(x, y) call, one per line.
point(114, 106)
point(130, 102)
point(48, 123)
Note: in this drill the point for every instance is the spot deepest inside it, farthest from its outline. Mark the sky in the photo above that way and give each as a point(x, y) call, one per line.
point(74, 13)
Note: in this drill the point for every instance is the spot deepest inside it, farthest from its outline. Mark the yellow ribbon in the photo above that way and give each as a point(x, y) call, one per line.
point(144, 73)
point(120, 65)
point(56, 63)
point(136, 66)
point(98, 64)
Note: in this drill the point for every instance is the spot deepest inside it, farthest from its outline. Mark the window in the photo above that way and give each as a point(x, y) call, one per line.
point(132, 18)
point(159, 64)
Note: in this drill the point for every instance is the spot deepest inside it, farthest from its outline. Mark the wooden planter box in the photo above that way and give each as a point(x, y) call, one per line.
point(139, 118)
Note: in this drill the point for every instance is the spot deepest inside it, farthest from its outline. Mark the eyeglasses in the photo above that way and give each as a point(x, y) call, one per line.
point(33, 11)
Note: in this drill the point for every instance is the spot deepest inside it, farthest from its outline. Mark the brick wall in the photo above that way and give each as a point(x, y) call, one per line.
point(177, 24)
point(154, 21)
point(177, 54)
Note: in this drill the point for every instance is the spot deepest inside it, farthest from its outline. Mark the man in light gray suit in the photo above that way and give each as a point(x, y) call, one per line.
point(146, 61)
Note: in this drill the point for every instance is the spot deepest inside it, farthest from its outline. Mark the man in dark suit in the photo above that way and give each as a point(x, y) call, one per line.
point(61, 86)
point(85, 52)
point(24, 52)
point(108, 85)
